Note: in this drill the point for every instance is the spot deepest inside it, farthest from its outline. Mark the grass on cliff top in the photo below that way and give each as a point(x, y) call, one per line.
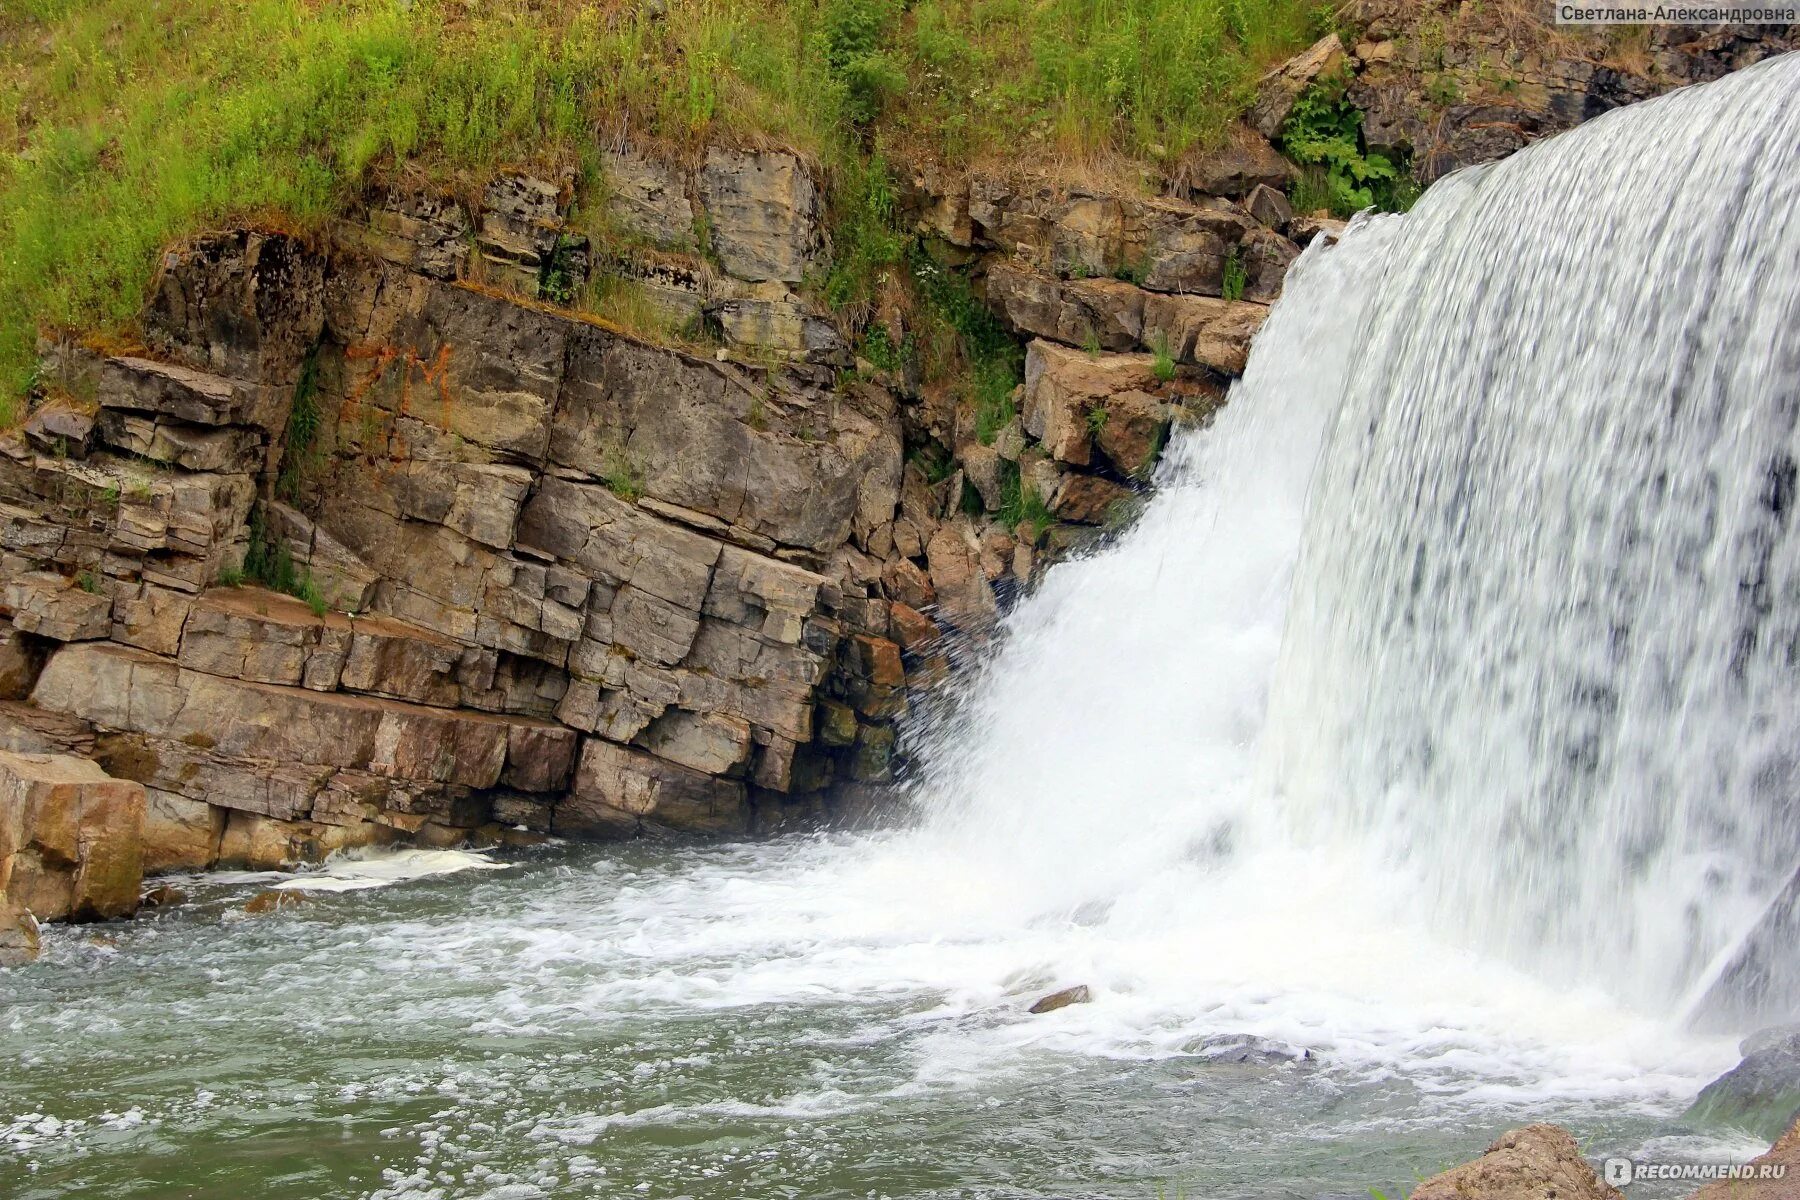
point(126, 124)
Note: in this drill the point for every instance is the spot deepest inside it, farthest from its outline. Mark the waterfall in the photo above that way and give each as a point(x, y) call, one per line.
point(1483, 585)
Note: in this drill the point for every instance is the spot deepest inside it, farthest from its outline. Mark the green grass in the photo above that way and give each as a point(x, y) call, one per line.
point(126, 124)
point(1162, 362)
point(1231, 286)
point(267, 561)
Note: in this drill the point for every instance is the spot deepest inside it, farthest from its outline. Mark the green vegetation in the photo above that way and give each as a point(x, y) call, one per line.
point(302, 456)
point(1021, 508)
point(625, 481)
point(969, 345)
point(868, 244)
point(1324, 134)
point(1231, 285)
point(126, 125)
point(268, 563)
point(1163, 362)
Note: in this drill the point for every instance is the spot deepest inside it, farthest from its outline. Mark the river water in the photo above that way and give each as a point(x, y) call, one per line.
point(787, 1019)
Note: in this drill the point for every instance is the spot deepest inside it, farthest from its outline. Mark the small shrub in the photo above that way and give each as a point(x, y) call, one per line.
point(1324, 130)
point(1231, 285)
point(301, 454)
point(268, 562)
point(866, 238)
point(1162, 362)
point(622, 478)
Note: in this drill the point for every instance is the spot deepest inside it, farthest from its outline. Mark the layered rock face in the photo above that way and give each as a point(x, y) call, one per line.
point(1452, 85)
point(558, 578)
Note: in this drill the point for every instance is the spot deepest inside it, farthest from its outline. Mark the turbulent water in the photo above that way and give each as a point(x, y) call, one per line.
point(1405, 772)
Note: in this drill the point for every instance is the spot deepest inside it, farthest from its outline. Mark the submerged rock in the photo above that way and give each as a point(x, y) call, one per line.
point(1249, 1051)
point(1762, 1093)
point(164, 897)
point(1079, 994)
point(18, 935)
point(1533, 1163)
point(273, 901)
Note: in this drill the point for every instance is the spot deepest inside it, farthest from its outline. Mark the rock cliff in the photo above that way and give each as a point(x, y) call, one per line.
point(368, 535)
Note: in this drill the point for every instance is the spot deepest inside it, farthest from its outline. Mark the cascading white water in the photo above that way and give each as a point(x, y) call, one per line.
point(1541, 657)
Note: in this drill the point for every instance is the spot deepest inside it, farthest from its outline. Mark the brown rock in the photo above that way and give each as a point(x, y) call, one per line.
point(70, 838)
point(912, 628)
point(274, 900)
point(242, 304)
point(1269, 206)
point(1784, 1154)
point(61, 429)
point(150, 618)
point(180, 834)
point(709, 742)
point(1277, 90)
point(763, 207)
point(1532, 1163)
point(1089, 499)
point(164, 896)
point(1203, 331)
point(51, 606)
point(619, 790)
point(18, 934)
point(964, 596)
point(648, 198)
point(1244, 162)
point(131, 691)
point(906, 582)
point(1131, 431)
point(20, 661)
point(1079, 994)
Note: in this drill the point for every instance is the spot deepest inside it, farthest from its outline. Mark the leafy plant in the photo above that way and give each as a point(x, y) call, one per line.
point(1324, 129)
point(857, 62)
point(866, 238)
point(623, 479)
point(992, 362)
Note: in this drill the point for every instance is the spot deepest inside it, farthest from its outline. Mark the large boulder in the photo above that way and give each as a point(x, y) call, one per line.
point(1277, 91)
point(70, 838)
point(648, 198)
point(1534, 1163)
point(1760, 1095)
point(763, 208)
point(18, 935)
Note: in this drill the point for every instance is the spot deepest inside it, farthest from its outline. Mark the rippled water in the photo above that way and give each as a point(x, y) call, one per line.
point(793, 1018)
